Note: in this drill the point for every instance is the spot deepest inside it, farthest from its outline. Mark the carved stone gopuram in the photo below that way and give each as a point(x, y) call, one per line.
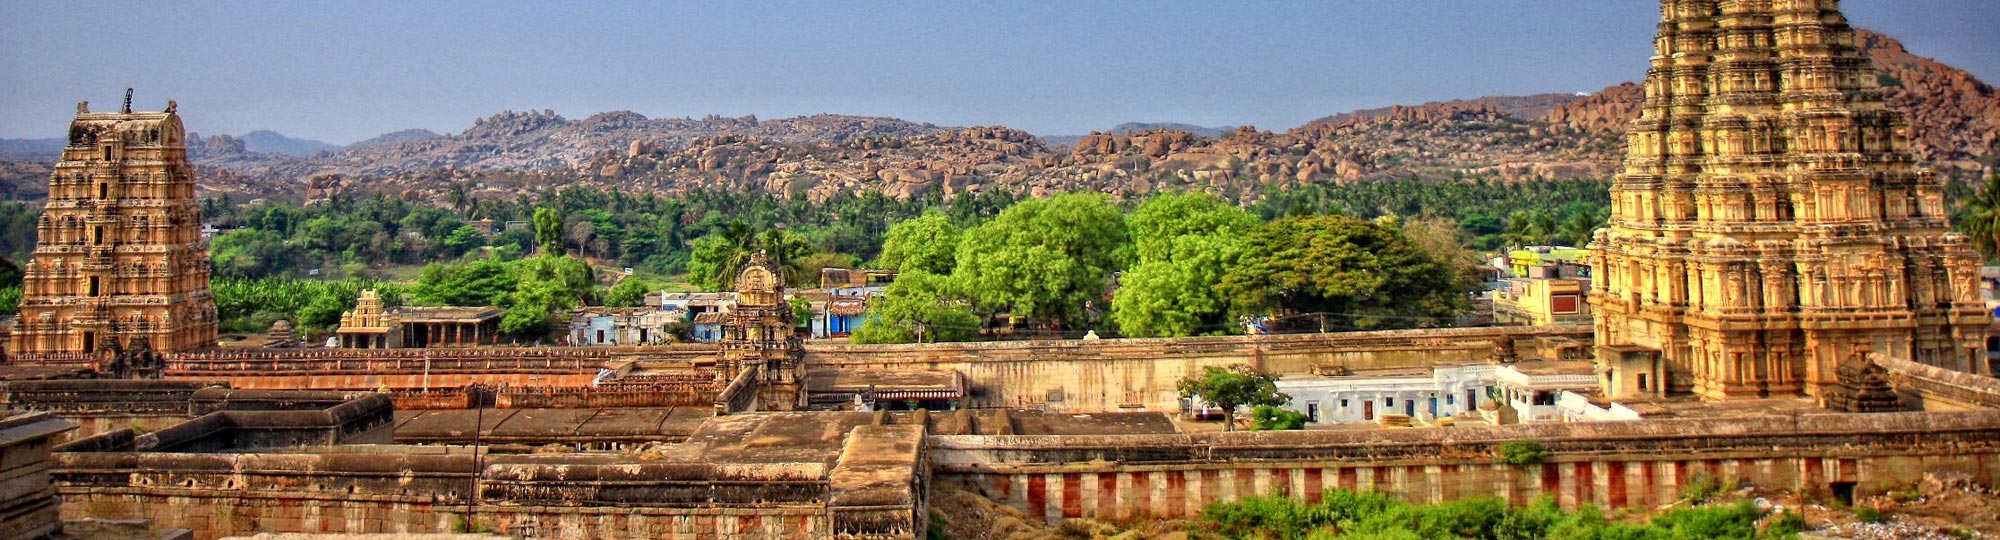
point(759, 337)
point(1771, 220)
point(118, 255)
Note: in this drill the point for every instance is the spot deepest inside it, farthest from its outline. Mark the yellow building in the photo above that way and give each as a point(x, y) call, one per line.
point(1541, 301)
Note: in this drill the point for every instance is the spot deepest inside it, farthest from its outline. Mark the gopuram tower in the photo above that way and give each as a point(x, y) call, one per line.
point(118, 260)
point(1771, 222)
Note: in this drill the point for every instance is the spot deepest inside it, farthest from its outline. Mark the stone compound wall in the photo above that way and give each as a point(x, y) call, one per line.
point(220, 495)
point(1140, 374)
point(1607, 464)
point(1061, 375)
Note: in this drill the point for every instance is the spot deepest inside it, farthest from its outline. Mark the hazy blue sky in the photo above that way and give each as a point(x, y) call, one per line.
point(344, 71)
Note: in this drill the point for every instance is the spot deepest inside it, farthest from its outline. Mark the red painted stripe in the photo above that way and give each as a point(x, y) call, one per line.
point(1616, 483)
point(1072, 495)
point(1313, 488)
point(1038, 496)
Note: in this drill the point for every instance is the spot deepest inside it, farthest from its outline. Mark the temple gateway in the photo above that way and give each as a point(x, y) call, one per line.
point(1771, 222)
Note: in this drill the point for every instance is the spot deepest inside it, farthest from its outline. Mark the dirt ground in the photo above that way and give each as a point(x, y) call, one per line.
point(1937, 508)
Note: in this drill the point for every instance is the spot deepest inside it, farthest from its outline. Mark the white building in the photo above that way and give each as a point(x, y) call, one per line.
point(1531, 389)
point(1363, 396)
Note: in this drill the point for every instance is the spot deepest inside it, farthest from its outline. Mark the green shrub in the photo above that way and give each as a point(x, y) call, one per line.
point(1523, 452)
point(1869, 515)
point(1785, 526)
point(1268, 418)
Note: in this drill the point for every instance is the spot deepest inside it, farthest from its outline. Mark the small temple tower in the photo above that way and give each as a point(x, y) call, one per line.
point(759, 336)
point(1771, 224)
point(118, 262)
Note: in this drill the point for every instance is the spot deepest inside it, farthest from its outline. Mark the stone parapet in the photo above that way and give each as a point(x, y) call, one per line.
point(1126, 477)
point(1938, 388)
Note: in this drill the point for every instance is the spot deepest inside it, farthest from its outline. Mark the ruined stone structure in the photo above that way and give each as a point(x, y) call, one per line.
point(1771, 221)
point(761, 357)
point(118, 258)
point(27, 495)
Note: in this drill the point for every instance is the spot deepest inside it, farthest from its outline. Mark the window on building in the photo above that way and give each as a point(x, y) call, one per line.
point(1388, 402)
point(92, 287)
point(1312, 411)
point(600, 336)
point(1562, 303)
point(1642, 382)
point(1343, 403)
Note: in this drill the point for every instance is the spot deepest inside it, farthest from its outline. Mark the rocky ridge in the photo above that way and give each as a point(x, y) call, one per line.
point(1956, 125)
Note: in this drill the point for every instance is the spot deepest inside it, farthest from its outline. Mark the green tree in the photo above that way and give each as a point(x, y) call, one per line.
point(711, 263)
point(532, 314)
point(250, 253)
point(10, 300)
point(918, 307)
point(1271, 418)
point(1044, 260)
point(548, 230)
point(928, 243)
point(1982, 218)
point(1233, 388)
point(802, 313)
point(1348, 273)
point(629, 292)
point(482, 282)
point(1185, 244)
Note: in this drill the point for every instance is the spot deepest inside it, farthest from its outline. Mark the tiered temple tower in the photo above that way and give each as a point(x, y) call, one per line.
point(118, 258)
point(759, 336)
point(1771, 221)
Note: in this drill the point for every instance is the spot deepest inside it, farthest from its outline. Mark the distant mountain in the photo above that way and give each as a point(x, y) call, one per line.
point(32, 149)
point(396, 137)
point(1532, 106)
point(1955, 126)
point(277, 143)
point(1129, 128)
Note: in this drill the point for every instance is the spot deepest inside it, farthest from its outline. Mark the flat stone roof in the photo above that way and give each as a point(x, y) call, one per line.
point(1695, 407)
point(540, 426)
point(847, 380)
point(445, 314)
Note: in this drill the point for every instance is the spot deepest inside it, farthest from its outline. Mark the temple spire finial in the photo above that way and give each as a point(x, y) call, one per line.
point(128, 101)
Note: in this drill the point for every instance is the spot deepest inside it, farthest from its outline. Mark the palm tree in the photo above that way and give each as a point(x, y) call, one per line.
point(1982, 212)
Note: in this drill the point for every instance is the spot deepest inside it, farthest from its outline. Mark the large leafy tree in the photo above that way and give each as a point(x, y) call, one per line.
point(918, 307)
point(482, 282)
point(247, 253)
point(1045, 259)
point(548, 230)
point(1341, 273)
point(716, 258)
point(1231, 389)
point(549, 286)
point(1982, 218)
point(1185, 244)
point(928, 243)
